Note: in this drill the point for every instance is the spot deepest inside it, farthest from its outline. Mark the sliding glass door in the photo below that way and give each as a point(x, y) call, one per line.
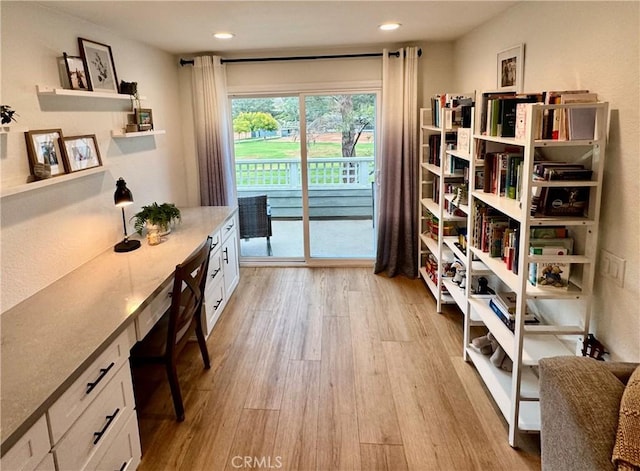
point(340, 142)
point(318, 182)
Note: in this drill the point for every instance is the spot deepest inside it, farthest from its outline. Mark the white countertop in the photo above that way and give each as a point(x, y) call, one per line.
point(50, 337)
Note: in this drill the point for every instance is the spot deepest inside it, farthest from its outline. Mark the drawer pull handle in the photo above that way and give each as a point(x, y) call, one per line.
point(215, 244)
point(109, 418)
point(215, 273)
point(103, 373)
point(229, 227)
point(217, 304)
point(123, 467)
point(226, 255)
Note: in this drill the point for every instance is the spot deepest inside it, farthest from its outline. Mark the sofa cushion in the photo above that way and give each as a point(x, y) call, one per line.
point(626, 452)
point(579, 404)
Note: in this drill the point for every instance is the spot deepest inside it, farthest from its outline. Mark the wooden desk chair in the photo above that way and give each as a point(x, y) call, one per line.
point(167, 338)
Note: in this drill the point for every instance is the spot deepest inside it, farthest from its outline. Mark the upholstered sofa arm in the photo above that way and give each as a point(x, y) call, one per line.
point(621, 370)
point(579, 404)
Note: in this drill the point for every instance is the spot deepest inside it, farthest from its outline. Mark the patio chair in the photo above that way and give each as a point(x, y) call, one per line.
point(255, 218)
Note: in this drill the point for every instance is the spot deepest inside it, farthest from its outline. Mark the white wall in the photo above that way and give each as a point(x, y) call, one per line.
point(46, 233)
point(575, 45)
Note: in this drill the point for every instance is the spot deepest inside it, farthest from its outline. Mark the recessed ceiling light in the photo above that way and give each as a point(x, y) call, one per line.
point(223, 35)
point(389, 26)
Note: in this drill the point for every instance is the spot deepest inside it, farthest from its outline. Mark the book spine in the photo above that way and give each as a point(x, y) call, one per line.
point(501, 315)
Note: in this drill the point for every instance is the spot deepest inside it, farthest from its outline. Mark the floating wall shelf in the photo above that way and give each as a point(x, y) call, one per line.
point(17, 189)
point(119, 134)
point(50, 91)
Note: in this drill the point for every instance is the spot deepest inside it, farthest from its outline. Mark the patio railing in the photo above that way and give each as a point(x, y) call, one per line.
point(343, 172)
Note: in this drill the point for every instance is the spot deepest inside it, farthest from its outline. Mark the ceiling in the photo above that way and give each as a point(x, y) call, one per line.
point(184, 27)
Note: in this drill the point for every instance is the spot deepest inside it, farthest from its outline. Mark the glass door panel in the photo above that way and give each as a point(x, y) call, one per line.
point(267, 153)
point(341, 143)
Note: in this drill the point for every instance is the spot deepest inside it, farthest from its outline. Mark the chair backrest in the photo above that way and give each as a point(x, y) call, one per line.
point(188, 295)
point(253, 216)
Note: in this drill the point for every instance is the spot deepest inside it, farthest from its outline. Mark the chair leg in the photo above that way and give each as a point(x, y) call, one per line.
point(269, 251)
point(175, 391)
point(202, 343)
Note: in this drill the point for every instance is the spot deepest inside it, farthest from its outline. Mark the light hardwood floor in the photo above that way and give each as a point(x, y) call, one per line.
point(330, 369)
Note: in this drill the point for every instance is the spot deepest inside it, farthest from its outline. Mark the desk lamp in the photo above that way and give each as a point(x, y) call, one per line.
point(123, 197)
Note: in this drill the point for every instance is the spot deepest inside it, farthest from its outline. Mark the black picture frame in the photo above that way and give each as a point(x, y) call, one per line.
point(99, 64)
point(76, 72)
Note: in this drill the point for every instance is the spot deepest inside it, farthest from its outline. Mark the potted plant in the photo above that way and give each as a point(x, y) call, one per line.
point(161, 215)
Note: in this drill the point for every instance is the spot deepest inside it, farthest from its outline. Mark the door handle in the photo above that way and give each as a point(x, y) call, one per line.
point(226, 255)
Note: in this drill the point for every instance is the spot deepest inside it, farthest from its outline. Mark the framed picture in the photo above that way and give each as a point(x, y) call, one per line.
point(144, 119)
point(82, 152)
point(76, 73)
point(511, 69)
point(43, 147)
point(101, 70)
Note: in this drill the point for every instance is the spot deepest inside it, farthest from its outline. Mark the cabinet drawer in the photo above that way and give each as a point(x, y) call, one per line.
point(30, 450)
point(215, 268)
point(87, 387)
point(215, 240)
point(214, 303)
point(99, 425)
point(124, 453)
point(229, 227)
point(153, 312)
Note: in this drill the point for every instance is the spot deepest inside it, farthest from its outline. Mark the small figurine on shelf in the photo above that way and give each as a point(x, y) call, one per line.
point(7, 114)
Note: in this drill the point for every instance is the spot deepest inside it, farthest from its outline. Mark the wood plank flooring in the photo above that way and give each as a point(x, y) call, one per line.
point(328, 369)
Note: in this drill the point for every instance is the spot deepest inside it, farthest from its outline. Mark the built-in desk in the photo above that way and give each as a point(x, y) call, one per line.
point(49, 339)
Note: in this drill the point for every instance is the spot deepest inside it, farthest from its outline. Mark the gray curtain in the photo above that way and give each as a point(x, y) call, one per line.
point(212, 122)
point(397, 250)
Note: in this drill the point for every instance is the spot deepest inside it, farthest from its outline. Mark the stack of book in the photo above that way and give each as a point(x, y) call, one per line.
point(499, 112)
point(502, 174)
point(569, 201)
point(503, 305)
point(554, 274)
point(457, 108)
point(434, 146)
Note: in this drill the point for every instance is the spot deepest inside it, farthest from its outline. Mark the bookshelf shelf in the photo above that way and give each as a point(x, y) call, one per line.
point(437, 164)
point(564, 311)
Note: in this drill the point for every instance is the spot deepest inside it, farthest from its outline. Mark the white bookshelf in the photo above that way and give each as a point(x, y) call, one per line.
point(515, 393)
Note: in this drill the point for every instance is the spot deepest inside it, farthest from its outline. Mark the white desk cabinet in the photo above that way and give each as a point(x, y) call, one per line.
point(87, 322)
point(30, 451)
point(224, 272)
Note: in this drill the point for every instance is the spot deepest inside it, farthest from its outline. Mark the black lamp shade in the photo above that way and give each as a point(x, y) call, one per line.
point(122, 196)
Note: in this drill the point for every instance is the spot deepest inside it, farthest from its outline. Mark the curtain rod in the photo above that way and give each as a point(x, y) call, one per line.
point(184, 62)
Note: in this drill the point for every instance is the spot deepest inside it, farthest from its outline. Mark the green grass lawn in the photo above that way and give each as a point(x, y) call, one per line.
point(281, 149)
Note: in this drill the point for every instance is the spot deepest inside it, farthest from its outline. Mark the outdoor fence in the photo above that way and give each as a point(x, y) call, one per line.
point(344, 172)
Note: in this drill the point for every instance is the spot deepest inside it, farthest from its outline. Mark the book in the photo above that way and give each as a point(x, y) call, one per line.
point(508, 112)
point(510, 320)
point(566, 201)
point(555, 274)
point(550, 275)
point(508, 299)
point(464, 140)
point(552, 118)
point(548, 232)
point(580, 122)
